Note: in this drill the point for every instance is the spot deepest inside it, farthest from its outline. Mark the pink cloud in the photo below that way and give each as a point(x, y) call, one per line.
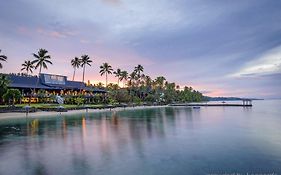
point(55, 34)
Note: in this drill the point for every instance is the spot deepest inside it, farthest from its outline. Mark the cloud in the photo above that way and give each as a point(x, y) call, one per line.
point(112, 2)
point(268, 63)
point(55, 34)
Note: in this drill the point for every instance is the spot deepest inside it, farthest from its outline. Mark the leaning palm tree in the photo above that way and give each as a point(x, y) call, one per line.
point(118, 75)
point(85, 60)
point(75, 63)
point(106, 69)
point(42, 59)
point(27, 66)
point(2, 58)
point(124, 77)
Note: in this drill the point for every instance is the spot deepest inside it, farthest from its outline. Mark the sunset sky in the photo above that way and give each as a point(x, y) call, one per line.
point(221, 48)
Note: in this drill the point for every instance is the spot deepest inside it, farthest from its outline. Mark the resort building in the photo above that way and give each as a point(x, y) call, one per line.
point(49, 84)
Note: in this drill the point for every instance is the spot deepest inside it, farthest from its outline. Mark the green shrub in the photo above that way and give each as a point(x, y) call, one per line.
point(79, 101)
point(150, 98)
point(12, 95)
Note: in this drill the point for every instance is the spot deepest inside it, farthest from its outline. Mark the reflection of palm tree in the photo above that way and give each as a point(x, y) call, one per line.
point(106, 69)
point(124, 77)
point(75, 63)
point(2, 58)
point(27, 66)
point(118, 75)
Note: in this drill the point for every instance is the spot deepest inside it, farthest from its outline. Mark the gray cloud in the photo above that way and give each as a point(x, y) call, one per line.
point(191, 42)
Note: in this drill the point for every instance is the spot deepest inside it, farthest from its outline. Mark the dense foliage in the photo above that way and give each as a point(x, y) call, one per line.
point(4, 82)
point(12, 96)
point(137, 87)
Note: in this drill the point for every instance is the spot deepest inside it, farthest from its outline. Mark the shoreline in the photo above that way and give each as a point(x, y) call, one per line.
point(38, 114)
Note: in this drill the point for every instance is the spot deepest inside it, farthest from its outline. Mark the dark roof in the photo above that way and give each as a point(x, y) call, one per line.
point(29, 82)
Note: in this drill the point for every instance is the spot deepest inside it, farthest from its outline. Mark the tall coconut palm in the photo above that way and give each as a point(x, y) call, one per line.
point(106, 69)
point(118, 75)
point(42, 59)
point(27, 66)
point(85, 60)
point(75, 63)
point(2, 58)
point(138, 70)
point(124, 77)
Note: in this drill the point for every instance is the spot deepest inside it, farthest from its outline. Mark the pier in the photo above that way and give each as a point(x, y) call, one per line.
point(245, 103)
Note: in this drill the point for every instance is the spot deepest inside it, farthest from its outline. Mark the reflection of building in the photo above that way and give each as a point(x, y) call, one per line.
point(52, 84)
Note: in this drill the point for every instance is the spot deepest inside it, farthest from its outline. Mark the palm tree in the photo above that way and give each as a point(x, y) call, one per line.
point(138, 69)
point(27, 66)
point(124, 77)
point(2, 58)
point(106, 69)
point(75, 63)
point(85, 60)
point(160, 81)
point(148, 81)
point(132, 78)
point(118, 75)
point(99, 85)
point(42, 59)
point(4, 83)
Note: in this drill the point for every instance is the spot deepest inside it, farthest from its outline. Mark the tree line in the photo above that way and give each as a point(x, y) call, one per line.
point(137, 87)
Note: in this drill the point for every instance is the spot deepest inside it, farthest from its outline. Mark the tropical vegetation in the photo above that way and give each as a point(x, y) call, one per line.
point(2, 58)
point(75, 63)
point(137, 87)
point(27, 66)
point(106, 69)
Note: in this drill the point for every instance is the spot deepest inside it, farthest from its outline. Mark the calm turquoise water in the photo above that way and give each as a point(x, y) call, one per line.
point(161, 141)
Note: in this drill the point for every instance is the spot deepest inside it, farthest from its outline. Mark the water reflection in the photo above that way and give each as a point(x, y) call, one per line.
point(154, 141)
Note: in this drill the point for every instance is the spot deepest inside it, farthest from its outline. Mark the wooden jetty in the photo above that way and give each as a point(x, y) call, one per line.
point(245, 103)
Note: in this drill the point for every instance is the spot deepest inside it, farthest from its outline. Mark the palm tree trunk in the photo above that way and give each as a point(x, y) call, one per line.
point(118, 81)
point(36, 85)
point(82, 78)
point(83, 73)
point(105, 79)
point(73, 74)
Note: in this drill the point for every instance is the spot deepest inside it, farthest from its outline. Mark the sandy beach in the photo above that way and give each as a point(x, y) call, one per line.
point(16, 115)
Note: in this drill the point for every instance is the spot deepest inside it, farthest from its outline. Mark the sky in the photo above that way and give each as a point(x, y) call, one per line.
point(219, 47)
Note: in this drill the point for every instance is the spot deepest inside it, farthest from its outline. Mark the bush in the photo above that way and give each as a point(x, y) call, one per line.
point(150, 98)
point(122, 96)
point(137, 100)
point(79, 101)
point(12, 95)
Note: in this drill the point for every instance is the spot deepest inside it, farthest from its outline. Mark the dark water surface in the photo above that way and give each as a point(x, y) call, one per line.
point(160, 141)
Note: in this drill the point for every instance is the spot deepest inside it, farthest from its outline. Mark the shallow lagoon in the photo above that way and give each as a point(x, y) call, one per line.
point(171, 140)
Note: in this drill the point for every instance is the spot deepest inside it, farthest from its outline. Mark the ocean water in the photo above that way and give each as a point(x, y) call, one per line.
point(154, 141)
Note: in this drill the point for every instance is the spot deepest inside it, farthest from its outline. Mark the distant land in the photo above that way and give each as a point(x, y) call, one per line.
point(229, 98)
